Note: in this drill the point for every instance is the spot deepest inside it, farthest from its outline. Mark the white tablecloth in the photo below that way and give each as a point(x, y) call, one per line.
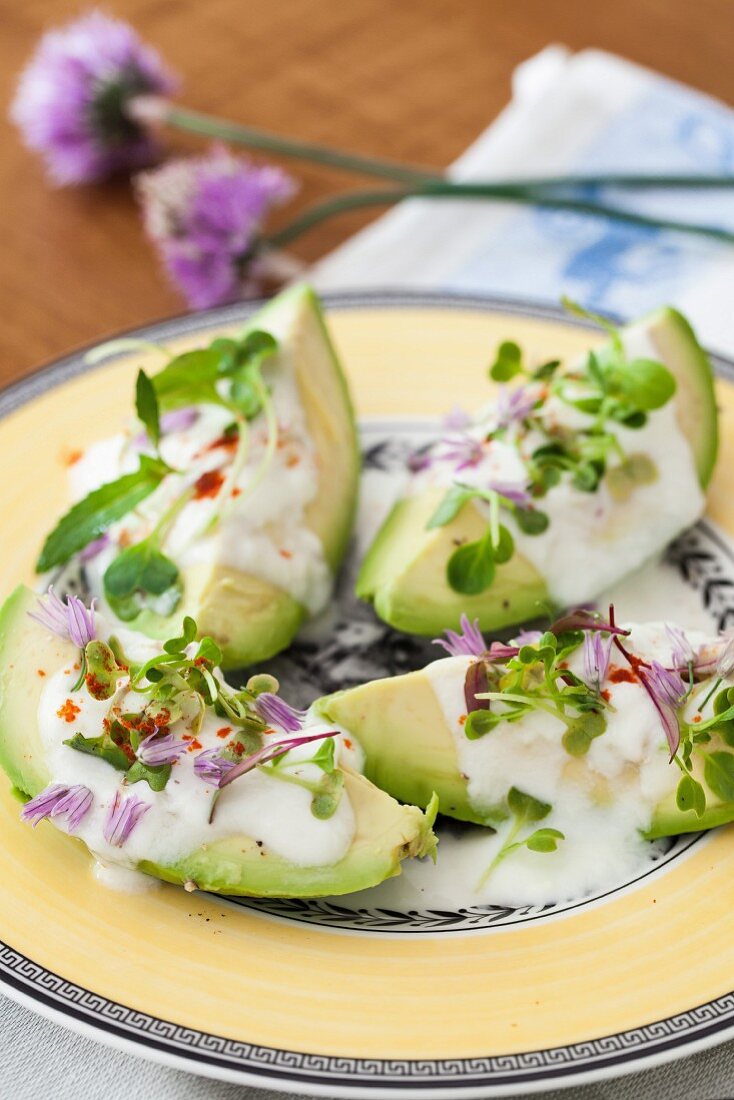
point(584, 113)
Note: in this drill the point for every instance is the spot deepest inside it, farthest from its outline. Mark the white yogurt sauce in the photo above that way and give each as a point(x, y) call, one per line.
point(262, 532)
point(592, 539)
point(256, 805)
point(601, 802)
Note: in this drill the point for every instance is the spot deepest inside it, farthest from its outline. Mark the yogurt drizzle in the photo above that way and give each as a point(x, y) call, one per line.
point(602, 802)
point(262, 532)
point(593, 538)
point(258, 805)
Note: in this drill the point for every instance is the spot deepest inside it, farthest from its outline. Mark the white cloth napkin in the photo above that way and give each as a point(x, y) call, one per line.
point(569, 113)
point(583, 113)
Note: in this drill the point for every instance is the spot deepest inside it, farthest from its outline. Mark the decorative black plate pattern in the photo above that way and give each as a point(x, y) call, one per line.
point(702, 566)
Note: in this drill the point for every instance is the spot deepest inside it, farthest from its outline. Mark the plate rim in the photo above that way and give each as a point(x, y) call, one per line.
point(611, 1055)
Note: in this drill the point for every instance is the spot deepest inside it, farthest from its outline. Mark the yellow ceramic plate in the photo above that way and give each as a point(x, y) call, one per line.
point(347, 1000)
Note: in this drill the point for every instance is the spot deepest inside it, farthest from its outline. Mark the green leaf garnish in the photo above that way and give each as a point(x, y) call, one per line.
point(138, 573)
point(327, 797)
point(581, 731)
point(531, 521)
point(450, 506)
point(90, 517)
point(646, 384)
point(525, 810)
point(718, 770)
point(103, 747)
point(508, 362)
point(480, 722)
point(544, 840)
point(525, 807)
point(690, 795)
point(471, 568)
point(102, 670)
point(155, 776)
point(146, 406)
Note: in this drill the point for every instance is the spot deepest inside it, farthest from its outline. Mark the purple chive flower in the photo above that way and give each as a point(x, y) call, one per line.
point(667, 692)
point(123, 816)
point(275, 711)
point(725, 659)
point(70, 620)
point(681, 654)
point(456, 420)
point(527, 637)
point(73, 99)
point(461, 451)
point(468, 643)
point(271, 752)
point(155, 749)
point(512, 491)
point(514, 406)
point(596, 653)
point(59, 800)
point(498, 651)
point(203, 215)
point(178, 420)
point(211, 766)
point(94, 548)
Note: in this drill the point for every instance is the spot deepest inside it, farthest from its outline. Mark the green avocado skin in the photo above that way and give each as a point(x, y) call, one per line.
point(385, 833)
point(404, 571)
point(410, 752)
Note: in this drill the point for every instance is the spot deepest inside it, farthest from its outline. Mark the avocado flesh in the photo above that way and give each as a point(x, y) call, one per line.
point(250, 618)
point(410, 753)
point(409, 750)
point(404, 572)
point(385, 833)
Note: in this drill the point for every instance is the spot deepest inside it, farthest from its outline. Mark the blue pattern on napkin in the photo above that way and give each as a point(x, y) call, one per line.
point(607, 265)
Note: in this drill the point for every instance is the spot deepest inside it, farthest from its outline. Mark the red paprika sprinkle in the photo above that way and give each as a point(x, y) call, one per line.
point(209, 484)
point(622, 676)
point(68, 711)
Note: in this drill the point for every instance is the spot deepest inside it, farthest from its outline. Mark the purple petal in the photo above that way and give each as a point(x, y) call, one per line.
point(514, 406)
point(581, 618)
point(123, 816)
point(94, 548)
point(72, 99)
point(157, 749)
point(476, 682)
point(462, 451)
point(71, 620)
point(204, 214)
point(76, 803)
point(456, 420)
point(528, 637)
point(273, 710)
point(498, 651)
point(211, 766)
point(59, 800)
point(512, 491)
point(468, 642)
point(725, 661)
point(681, 651)
point(81, 621)
point(597, 652)
point(271, 752)
point(43, 804)
point(177, 420)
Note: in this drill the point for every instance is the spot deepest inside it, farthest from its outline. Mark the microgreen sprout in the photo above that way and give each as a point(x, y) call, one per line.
point(525, 810)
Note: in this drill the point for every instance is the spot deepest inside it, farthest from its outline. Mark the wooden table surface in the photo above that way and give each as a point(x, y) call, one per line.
point(409, 79)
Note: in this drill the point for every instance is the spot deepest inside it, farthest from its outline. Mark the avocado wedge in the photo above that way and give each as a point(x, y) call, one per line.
point(404, 573)
point(250, 617)
point(411, 752)
point(384, 834)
